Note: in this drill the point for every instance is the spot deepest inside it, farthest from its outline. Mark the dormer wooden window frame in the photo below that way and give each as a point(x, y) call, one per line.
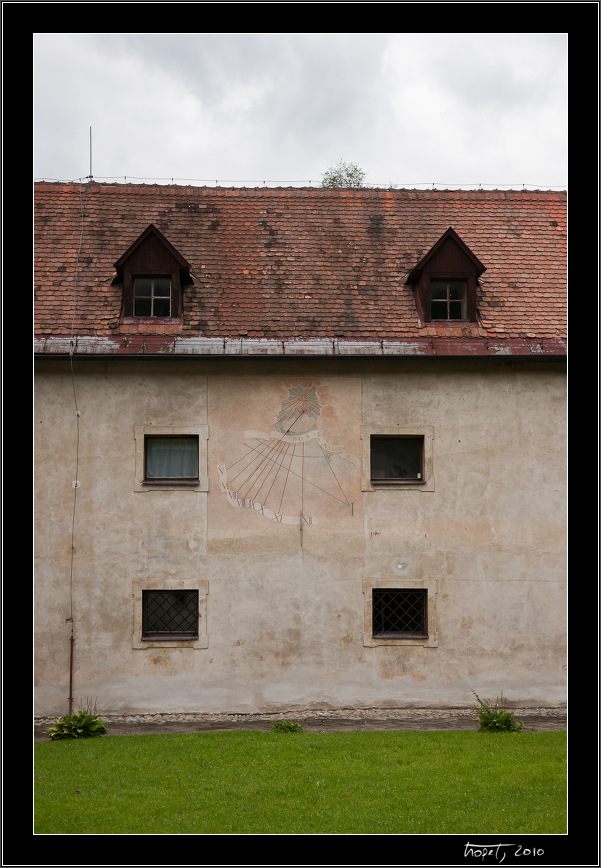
point(449, 261)
point(152, 256)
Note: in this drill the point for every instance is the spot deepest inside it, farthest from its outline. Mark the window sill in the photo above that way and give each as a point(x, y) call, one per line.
point(398, 481)
point(452, 328)
point(151, 320)
point(401, 485)
point(177, 482)
point(460, 323)
point(151, 326)
point(147, 485)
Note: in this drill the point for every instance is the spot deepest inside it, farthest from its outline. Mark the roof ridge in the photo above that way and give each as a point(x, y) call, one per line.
point(300, 191)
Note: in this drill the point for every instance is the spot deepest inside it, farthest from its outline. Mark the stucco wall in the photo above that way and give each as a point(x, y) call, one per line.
point(284, 602)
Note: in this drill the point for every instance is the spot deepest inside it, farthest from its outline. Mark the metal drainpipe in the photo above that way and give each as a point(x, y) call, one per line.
point(71, 668)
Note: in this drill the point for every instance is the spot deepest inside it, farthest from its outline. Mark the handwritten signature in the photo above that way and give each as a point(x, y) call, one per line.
point(498, 851)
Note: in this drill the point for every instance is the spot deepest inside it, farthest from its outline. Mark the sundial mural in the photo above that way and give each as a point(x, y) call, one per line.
point(290, 473)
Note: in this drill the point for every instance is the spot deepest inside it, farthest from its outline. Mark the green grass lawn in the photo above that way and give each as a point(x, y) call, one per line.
point(295, 783)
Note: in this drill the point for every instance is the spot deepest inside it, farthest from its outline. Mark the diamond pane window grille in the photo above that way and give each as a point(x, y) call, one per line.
point(400, 613)
point(170, 615)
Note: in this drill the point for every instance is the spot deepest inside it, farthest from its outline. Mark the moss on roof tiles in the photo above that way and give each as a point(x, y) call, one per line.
point(299, 263)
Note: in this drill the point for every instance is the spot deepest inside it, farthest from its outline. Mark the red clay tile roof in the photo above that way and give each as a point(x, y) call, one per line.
point(316, 270)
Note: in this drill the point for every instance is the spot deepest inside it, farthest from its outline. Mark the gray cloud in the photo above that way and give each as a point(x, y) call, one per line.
point(408, 108)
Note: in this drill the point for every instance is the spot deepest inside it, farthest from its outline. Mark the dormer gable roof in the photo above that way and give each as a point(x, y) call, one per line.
point(149, 247)
point(445, 252)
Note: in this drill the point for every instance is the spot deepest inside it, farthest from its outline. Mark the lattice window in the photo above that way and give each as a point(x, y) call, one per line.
point(400, 613)
point(170, 614)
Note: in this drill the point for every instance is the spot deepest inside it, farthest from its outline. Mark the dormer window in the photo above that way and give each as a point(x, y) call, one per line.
point(152, 296)
point(445, 282)
point(448, 299)
point(153, 275)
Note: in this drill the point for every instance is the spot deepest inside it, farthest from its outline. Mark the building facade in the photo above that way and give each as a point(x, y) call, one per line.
point(298, 449)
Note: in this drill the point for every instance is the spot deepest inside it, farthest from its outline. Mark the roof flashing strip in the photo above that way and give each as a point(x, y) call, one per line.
point(181, 347)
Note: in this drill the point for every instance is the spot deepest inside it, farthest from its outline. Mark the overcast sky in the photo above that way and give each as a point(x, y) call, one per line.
point(410, 109)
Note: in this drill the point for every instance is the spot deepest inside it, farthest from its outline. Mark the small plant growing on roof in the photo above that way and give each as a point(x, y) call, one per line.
point(343, 175)
point(78, 725)
point(495, 719)
point(286, 726)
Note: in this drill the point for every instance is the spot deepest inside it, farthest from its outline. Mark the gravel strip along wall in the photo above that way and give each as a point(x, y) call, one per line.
point(372, 719)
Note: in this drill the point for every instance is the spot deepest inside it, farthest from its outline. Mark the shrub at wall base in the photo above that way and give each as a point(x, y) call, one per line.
point(78, 725)
point(495, 719)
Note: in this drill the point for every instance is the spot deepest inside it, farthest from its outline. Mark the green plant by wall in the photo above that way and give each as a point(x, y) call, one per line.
point(495, 719)
point(78, 725)
point(286, 726)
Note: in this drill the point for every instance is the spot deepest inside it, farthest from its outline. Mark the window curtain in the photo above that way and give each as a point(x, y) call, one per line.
point(172, 458)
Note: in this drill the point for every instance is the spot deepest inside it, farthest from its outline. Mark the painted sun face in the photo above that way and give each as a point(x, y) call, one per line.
point(301, 403)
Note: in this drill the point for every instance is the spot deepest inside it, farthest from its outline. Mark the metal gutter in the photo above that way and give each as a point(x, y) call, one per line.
point(159, 346)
